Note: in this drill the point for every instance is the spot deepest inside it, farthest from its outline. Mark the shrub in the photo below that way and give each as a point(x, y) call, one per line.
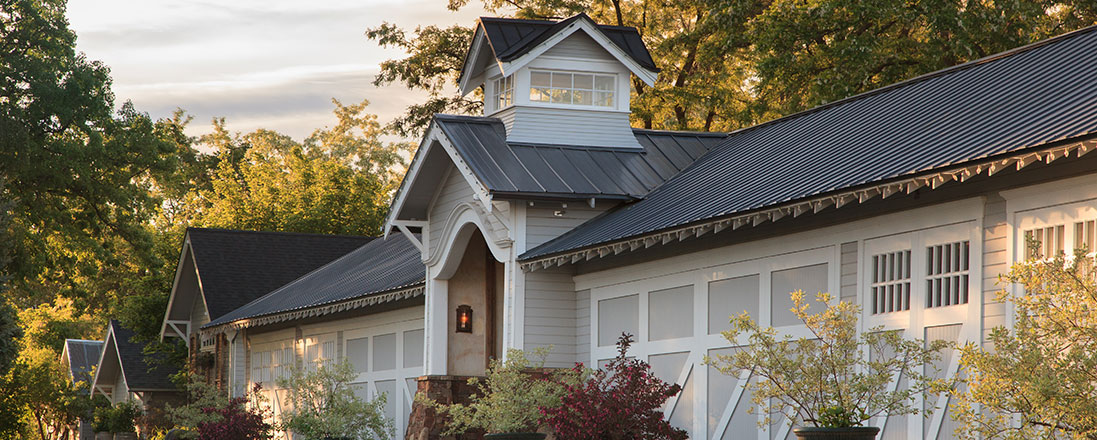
point(323, 404)
point(836, 377)
point(622, 401)
point(235, 421)
point(508, 399)
point(117, 418)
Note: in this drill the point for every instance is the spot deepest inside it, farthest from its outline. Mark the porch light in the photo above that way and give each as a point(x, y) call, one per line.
point(464, 318)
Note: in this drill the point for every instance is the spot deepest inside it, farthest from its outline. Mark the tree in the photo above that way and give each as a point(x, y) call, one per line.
point(322, 404)
point(1038, 380)
point(338, 181)
point(728, 64)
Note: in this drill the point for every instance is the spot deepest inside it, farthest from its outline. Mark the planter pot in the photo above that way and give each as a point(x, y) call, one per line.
point(851, 433)
point(103, 435)
point(125, 436)
point(516, 436)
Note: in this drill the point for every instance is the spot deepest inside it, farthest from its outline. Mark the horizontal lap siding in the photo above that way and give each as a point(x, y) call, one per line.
point(551, 318)
point(455, 190)
point(995, 262)
point(579, 46)
point(570, 127)
point(848, 291)
point(543, 225)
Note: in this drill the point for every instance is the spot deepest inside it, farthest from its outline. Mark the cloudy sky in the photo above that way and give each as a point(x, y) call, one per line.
point(273, 64)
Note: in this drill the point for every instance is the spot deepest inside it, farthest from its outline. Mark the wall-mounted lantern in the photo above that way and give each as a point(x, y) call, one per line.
point(464, 318)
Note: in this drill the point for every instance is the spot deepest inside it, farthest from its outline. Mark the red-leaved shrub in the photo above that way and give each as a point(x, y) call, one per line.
point(622, 401)
point(238, 422)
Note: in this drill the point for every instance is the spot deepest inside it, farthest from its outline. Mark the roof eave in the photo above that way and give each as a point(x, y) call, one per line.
point(931, 179)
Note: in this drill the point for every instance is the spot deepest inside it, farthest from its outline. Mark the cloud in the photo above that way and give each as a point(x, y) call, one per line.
point(271, 64)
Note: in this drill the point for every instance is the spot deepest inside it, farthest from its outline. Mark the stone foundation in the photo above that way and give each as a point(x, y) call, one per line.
point(424, 423)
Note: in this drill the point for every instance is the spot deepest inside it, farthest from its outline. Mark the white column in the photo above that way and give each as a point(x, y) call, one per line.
point(436, 325)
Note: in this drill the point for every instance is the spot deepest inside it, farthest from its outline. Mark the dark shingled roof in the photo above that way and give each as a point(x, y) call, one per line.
point(553, 171)
point(1028, 97)
point(511, 38)
point(83, 357)
point(383, 265)
point(142, 372)
point(236, 267)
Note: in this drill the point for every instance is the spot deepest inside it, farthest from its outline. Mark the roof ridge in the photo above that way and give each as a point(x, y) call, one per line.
point(83, 340)
point(923, 77)
point(304, 234)
point(683, 132)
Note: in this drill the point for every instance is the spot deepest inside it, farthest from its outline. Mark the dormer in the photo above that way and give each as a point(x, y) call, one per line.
point(558, 83)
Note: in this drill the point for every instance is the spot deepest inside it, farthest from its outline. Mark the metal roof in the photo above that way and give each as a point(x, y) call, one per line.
point(142, 372)
point(82, 356)
point(236, 267)
point(1025, 98)
point(552, 171)
point(380, 266)
point(511, 38)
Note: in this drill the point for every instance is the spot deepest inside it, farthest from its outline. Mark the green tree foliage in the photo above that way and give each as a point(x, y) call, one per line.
point(338, 181)
point(732, 63)
point(1038, 380)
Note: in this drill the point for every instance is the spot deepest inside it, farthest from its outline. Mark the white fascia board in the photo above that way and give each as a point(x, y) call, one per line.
point(647, 76)
point(466, 84)
point(175, 283)
point(434, 135)
point(405, 184)
point(108, 342)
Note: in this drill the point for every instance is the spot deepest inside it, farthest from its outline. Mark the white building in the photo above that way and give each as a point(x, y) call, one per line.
point(559, 225)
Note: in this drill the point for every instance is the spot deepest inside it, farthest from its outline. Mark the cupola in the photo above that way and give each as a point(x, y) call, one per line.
point(558, 83)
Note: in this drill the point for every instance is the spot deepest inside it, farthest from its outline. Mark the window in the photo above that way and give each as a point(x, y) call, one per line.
point(503, 91)
point(1046, 242)
point(267, 365)
point(572, 88)
point(319, 352)
point(891, 282)
point(1084, 236)
point(947, 274)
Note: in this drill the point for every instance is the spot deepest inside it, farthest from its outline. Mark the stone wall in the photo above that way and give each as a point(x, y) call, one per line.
point(424, 423)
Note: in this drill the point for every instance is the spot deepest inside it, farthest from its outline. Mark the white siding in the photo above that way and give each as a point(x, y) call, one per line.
point(849, 272)
point(543, 225)
point(238, 361)
point(995, 262)
point(582, 327)
point(579, 46)
point(570, 126)
point(454, 191)
point(551, 315)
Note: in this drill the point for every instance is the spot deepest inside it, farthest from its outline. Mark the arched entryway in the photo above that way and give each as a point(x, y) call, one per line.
point(475, 288)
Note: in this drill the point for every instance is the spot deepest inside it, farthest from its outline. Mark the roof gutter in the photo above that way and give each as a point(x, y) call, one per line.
point(931, 179)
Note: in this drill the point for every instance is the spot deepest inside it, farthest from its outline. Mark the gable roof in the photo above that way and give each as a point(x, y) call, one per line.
point(380, 271)
point(236, 267)
point(507, 40)
point(1014, 102)
point(553, 171)
point(82, 356)
point(511, 38)
point(141, 372)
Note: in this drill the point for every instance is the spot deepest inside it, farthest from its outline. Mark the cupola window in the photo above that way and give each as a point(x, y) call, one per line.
point(503, 91)
point(572, 88)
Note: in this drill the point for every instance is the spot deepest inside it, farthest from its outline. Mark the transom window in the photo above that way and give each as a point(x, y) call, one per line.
point(503, 92)
point(891, 282)
point(572, 88)
point(1046, 242)
point(947, 274)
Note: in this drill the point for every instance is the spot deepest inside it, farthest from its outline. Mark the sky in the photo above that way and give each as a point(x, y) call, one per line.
point(259, 64)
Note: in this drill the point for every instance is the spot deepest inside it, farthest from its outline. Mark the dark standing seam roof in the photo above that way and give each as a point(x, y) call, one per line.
point(511, 38)
point(1035, 95)
point(383, 265)
point(236, 267)
point(571, 172)
point(142, 372)
point(83, 357)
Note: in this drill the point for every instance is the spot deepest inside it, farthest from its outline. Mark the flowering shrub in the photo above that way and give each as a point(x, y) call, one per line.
point(235, 421)
point(622, 401)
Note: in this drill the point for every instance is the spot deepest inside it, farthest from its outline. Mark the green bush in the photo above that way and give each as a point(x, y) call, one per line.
point(323, 405)
point(117, 418)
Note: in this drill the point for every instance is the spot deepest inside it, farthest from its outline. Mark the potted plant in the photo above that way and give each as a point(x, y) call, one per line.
point(322, 406)
point(101, 423)
point(835, 380)
point(508, 401)
point(123, 416)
